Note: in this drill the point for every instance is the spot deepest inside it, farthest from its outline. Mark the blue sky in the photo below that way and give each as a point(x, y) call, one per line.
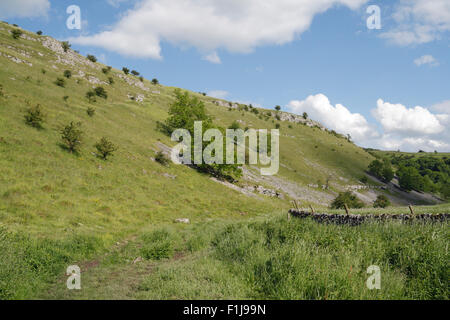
point(301, 55)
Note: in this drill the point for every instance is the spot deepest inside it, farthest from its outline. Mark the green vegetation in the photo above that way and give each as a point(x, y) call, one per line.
point(65, 45)
point(34, 116)
point(60, 82)
point(126, 70)
point(61, 208)
point(71, 136)
point(67, 74)
point(90, 111)
point(16, 33)
point(101, 92)
point(91, 58)
point(105, 148)
point(382, 170)
point(161, 158)
point(346, 198)
point(381, 202)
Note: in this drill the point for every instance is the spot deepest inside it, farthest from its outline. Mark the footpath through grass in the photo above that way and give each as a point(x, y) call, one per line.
point(271, 258)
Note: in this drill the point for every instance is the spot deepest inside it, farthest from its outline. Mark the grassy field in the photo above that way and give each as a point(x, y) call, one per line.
point(58, 208)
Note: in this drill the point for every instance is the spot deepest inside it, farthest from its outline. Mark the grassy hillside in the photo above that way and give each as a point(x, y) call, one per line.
point(58, 208)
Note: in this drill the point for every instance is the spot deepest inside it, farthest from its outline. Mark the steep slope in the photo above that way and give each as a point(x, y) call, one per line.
point(44, 188)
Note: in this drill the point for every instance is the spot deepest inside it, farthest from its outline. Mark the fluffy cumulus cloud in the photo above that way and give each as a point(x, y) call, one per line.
point(426, 59)
point(336, 117)
point(407, 129)
point(419, 21)
point(234, 25)
point(23, 8)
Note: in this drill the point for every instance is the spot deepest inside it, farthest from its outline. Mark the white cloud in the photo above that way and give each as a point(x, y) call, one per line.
point(235, 25)
point(396, 118)
point(23, 8)
point(219, 94)
point(337, 117)
point(213, 58)
point(116, 3)
point(426, 59)
point(407, 129)
point(419, 21)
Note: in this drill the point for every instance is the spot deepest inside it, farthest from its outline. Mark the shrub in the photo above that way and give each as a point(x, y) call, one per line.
point(105, 148)
point(382, 170)
point(1, 91)
point(65, 45)
point(91, 96)
point(60, 82)
point(71, 136)
point(346, 198)
point(234, 126)
point(277, 126)
point(410, 179)
point(278, 117)
point(68, 74)
point(34, 116)
point(65, 98)
point(161, 158)
point(305, 115)
point(90, 111)
point(141, 79)
point(364, 179)
point(381, 202)
point(126, 70)
point(106, 70)
point(111, 80)
point(16, 33)
point(43, 71)
point(39, 33)
point(135, 73)
point(278, 108)
point(101, 92)
point(91, 58)
point(155, 82)
point(157, 245)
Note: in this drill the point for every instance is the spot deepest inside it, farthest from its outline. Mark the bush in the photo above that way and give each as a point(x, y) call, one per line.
point(161, 158)
point(234, 126)
point(381, 202)
point(126, 70)
point(65, 45)
point(382, 170)
point(91, 58)
point(141, 79)
point(111, 80)
point(105, 148)
point(157, 245)
point(277, 126)
point(410, 179)
point(65, 98)
point(34, 116)
point(39, 33)
point(16, 33)
point(346, 198)
point(2, 94)
point(71, 136)
point(106, 70)
point(155, 82)
point(68, 74)
point(91, 96)
point(364, 179)
point(90, 111)
point(60, 82)
point(101, 92)
point(135, 73)
point(43, 71)
point(278, 108)
point(305, 115)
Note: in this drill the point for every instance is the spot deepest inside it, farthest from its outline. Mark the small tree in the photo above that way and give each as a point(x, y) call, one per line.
point(91, 96)
point(277, 126)
point(278, 108)
point(16, 33)
point(126, 70)
point(141, 79)
point(111, 80)
point(34, 116)
point(68, 74)
point(60, 82)
point(101, 92)
point(305, 115)
point(71, 136)
point(135, 73)
point(156, 82)
point(65, 45)
point(381, 202)
point(106, 70)
point(91, 58)
point(105, 148)
point(346, 198)
point(90, 111)
point(234, 126)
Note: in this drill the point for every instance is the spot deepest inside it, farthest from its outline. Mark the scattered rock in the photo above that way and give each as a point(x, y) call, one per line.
point(138, 259)
point(182, 220)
